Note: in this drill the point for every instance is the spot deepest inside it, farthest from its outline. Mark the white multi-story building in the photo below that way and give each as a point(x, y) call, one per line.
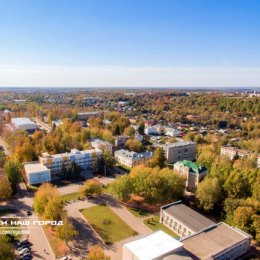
point(84, 159)
point(153, 129)
point(169, 131)
point(102, 145)
point(184, 150)
point(37, 173)
point(49, 166)
point(130, 158)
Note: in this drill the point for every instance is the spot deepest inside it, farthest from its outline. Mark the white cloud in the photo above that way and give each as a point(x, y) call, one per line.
point(123, 76)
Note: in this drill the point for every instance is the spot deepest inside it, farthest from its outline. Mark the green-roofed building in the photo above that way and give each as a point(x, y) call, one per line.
point(192, 171)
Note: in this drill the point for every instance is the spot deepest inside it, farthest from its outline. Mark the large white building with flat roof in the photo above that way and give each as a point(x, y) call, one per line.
point(23, 123)
point(37, 173)
point(151, 247)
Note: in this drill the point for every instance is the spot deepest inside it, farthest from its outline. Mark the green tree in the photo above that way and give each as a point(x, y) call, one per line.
point(6, 249)
point(141, 128)
point(66, 232)
point(122, 188)
point(109, 160)
point(237, 185)
point(91, 187)
point(12, 170)
point(158, 158)
point(208, 193)
point(243, 218)
point(134, 145)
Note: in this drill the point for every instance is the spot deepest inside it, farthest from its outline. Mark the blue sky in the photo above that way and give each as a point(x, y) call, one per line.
point(129, 43)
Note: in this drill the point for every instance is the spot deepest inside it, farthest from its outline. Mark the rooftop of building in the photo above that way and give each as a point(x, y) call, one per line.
point(153, 245)
point(99, 141)
point(73, 151)
point(213, 240)
point(22, 121)
point(133, 155)
point(181, 143)
point(189, 217)
point(34, 167)
point(194, 168)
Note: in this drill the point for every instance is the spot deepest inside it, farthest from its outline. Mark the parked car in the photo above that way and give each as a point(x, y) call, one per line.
point(23, 246)
point(26, 255)
point(22, 242)
point(23, 251)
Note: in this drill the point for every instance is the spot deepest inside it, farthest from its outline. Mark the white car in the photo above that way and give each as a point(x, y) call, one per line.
point(23, 251)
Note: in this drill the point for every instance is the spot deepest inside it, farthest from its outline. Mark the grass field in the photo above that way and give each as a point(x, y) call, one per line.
point(110, 227)
point(71, 196)
point(154, 224)
point(139, 213)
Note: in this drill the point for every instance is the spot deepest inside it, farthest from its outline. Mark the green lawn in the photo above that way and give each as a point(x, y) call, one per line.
point(107, 224)
point(71, 196)
point(139, 213)
point(154, 224)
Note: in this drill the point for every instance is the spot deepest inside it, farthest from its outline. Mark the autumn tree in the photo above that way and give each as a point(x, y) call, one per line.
point(66, 232)
point(97, 253)
point(6, 249)
point(208, 194)
point(47, 202)
point(134, 145)
point(5, 188)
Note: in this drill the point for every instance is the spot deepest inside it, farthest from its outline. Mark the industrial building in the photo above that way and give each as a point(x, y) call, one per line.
point(151, 247)
point(23, 123)
point(183, 220)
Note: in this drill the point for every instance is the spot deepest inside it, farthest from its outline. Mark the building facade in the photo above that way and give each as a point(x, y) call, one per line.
point(36, 173)
point(130, 158)
point(193, 172)
point(84, 159)
point(233, 152)
point(120, 141)
point(183, 220)
point(184, 150)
